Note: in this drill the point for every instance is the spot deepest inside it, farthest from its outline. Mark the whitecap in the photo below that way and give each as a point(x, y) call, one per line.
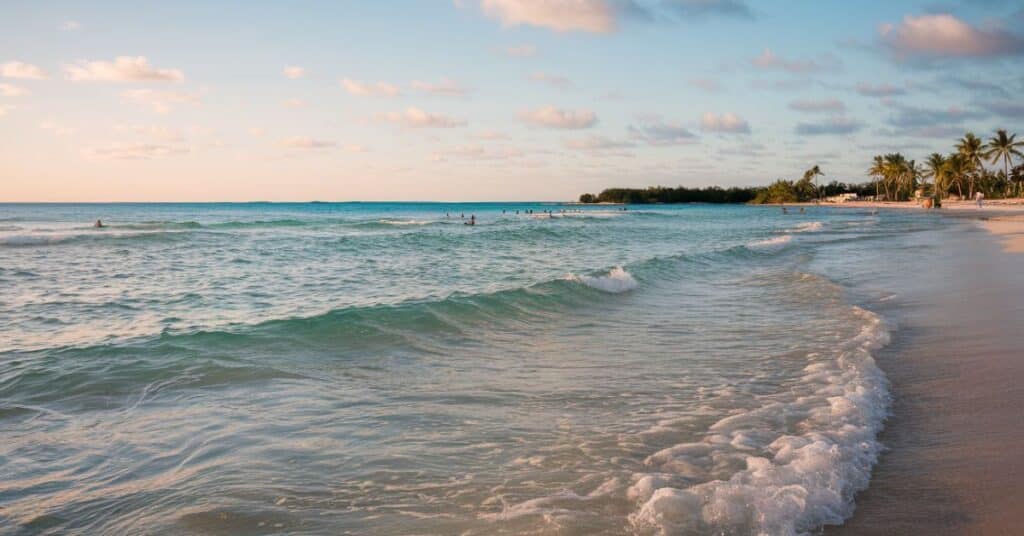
point(405, 222)
point(775, 241)
point(808, 227)
point(617, 281)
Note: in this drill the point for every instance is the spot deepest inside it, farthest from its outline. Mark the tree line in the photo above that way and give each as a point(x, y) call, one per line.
point(894, 178)
point(961, 172)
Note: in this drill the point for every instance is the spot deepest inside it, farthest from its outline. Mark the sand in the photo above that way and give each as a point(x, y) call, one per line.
point(1010, 230)
point(954, 464)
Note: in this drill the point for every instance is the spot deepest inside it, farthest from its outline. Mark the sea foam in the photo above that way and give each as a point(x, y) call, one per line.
point(775, 241)
point(617, 281)
point(808, 227)
point(791, 483)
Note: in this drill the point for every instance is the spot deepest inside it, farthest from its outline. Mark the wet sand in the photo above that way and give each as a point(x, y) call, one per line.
point(954, 463)
point(1009, 229)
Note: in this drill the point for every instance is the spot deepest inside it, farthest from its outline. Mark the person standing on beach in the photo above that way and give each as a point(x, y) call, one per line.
point(980, 198)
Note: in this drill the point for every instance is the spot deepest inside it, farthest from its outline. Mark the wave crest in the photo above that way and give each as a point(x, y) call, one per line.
point(617, 281)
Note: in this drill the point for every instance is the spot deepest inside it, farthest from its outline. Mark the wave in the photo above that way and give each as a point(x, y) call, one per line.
point(774, 242)
point(808, 227)
point(618, 280)
point(792, 483)
point(405, 222)
point(154, 225)
point(49, 239)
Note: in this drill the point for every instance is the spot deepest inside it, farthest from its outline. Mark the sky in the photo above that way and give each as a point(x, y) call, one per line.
point(472, 100)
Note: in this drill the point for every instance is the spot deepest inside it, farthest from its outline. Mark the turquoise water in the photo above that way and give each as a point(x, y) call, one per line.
point(384, 368)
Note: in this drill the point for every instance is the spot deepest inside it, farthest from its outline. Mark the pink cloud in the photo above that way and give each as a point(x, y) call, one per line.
point(943, 35)
point(595, 16)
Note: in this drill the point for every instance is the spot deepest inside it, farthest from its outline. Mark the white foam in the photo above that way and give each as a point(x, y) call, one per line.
point(788, 483)
point(35, 239)
point(617, 281)
point(405, 222)
point(808, 227)
point(775, 241)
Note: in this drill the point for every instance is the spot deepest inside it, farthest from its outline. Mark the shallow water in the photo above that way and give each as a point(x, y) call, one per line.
point(354, 368)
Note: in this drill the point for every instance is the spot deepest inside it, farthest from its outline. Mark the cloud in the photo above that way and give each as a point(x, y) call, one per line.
point(595, 16)
point(657, 132)
point(746, 149)
point(491, 135)
point(835, 125)
point(976, 85)
point(551, 117)
point(706, 8)
point(294, 103)
point(907, 117)
point(554, 80)
point(4, 108)
point(355, 148)
point(880, 90)
point(707, 84)
point(122, 69)
point(24, 71)
point(781, 85)
point(258, 132)
point(825, 105)
point(604, 16)
point(293, 72)
point(727, 123)
point(444, 88)
point(768, 60)
point(598, 143)
point(59, 130)
point(132, 151)
point(521, 51)
point(365, 89)
point(157, 132)
point(1013, 109)
point(11, 90)
point(301, 142)
point(161, 102)
point(476, 152)
point(70, 25)
point(937, 36)
point(416, 118)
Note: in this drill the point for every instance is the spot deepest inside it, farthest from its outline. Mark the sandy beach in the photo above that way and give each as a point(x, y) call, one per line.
point(953, 464)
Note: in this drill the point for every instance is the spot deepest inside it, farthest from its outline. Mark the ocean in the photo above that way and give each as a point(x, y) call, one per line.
point(356, 368)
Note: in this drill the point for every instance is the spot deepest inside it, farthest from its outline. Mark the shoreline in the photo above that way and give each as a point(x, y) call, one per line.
point(952, 464)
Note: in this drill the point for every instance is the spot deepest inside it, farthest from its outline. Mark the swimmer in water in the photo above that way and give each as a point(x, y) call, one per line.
point(98, 224)
point(472, 220)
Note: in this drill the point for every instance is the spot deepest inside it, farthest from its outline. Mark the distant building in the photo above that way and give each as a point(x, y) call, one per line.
point(841, 198)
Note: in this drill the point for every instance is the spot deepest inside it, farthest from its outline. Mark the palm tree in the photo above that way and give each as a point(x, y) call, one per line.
point(877, 170)
point(1003, 147)
point(970, 146)
point(935, 169)
point(956, 168)
point(896, 173)
point(812, 175)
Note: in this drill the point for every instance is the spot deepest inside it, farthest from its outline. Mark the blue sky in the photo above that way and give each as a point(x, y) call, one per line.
point(485, 99)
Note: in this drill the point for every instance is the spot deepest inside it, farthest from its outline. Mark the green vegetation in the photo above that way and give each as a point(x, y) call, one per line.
point(661, 194)
point(961, 172)
point(894, 178)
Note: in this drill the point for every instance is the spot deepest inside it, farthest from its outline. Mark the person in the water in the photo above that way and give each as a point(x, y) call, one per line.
point(98, 224)
point(472, 220)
